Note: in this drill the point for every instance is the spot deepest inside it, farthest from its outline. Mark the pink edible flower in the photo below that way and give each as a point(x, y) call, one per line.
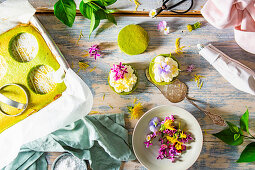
point(119, 71)
point(162, 26)
point(190, 68)
point(94, 51)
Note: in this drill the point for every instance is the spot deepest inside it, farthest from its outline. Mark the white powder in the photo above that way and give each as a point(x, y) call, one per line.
point(69, 162)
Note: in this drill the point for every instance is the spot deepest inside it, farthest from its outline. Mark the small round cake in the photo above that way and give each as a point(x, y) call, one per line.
point(24, 47)
point(123, 79)
point(133, 40)
point(40, 79)
point(3, 67)
point(163, 69)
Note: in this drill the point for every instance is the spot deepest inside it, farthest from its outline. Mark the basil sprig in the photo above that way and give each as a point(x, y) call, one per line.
point(233, 135)
point(94, 10)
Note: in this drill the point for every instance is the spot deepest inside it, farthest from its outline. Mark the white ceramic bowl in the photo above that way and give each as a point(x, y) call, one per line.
point(148, 156)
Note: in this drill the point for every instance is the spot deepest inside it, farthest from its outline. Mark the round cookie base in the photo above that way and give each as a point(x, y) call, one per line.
point(133, 40)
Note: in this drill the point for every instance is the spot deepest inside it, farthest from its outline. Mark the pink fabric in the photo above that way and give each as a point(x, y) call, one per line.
point(239, 14)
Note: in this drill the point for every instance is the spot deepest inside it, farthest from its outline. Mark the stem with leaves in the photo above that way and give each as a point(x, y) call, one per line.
point(234, 135)
point(94, 10)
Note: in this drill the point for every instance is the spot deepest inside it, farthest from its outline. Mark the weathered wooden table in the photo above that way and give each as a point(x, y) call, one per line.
point(216, 95)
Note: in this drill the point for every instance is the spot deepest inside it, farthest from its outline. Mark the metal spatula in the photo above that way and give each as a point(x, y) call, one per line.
point(177, 92)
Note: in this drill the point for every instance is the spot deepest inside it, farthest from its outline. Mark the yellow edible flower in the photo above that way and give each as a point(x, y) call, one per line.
point(168, 125)
point(189, 27)
point(178, 49)
point(178, 145)
point(136, 111)
point(171, 139)
point(183, 135)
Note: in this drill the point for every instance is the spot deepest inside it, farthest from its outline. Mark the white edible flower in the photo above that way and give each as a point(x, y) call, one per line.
point(153, 13)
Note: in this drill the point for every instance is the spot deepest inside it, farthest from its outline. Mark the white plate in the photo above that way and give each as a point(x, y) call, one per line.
point(148, 156)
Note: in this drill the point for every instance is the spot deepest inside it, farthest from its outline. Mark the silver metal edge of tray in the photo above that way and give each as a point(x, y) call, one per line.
point(50, 42)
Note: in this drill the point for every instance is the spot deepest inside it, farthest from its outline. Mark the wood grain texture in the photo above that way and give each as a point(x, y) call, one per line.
point(127, 6)
point(217, 95)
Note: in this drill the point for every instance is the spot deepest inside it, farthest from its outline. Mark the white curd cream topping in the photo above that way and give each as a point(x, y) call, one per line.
point(126, 84)
point(165, 69)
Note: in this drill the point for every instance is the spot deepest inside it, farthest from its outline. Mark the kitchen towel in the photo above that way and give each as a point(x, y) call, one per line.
point(76, 101)
point(101, 139)
point(239, 14)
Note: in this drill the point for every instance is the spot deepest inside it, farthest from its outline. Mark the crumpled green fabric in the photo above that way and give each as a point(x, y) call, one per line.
point(101, 139)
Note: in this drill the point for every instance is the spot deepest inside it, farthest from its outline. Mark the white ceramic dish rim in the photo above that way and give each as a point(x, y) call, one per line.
point(201, 134)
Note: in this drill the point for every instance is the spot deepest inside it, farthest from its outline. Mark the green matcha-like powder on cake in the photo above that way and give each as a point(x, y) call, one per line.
point(133, 40)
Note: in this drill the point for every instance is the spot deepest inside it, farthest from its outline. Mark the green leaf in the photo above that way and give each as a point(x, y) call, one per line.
point(109, 11)
point(108, 2)
point(248, 154)
point(244, 121)
point(65, 11)
point(111, 18)
point(227, 136)
point(86, 10)
point(86, 1)
point(236, 136)
point(93, 23)
point(233, 127)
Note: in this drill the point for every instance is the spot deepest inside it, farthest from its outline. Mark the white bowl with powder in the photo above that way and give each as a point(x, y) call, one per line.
point(67, 161)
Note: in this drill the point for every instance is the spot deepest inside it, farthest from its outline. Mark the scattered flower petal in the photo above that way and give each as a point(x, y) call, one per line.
point(162, 25)
point(166, 30)
point(197, 79)
point(178, 49)
point(83, 66)
point(94, 51)
point(190, 68)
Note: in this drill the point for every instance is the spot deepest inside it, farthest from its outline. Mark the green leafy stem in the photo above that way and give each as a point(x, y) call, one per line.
point(94, 10)
point(234, 135)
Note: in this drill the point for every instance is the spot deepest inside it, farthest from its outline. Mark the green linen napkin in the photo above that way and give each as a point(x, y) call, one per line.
point(101, 139)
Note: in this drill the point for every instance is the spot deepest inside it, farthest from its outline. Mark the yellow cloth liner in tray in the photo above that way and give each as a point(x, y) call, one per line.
point(17, 72)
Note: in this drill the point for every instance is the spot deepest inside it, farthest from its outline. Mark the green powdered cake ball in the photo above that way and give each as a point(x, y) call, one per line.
point(133, 40)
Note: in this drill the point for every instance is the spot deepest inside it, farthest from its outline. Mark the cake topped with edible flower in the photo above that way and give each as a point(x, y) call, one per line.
point(123, 78)
point(172, 140)
point(165, 69)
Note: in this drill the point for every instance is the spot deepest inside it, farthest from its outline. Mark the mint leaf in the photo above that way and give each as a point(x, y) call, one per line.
point(248, 154)
point(233, 127)
point(244, 121)
point(227, 136)
point(65, 11)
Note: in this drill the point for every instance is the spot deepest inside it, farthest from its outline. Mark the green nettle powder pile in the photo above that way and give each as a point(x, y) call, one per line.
point(133, 40)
